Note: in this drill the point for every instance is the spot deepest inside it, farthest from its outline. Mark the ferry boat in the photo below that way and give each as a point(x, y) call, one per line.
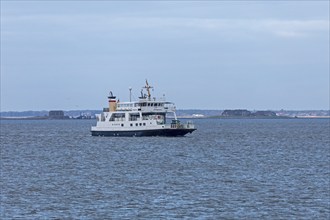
point(145, 117)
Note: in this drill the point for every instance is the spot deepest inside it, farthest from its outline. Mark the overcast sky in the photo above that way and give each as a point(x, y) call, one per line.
point(201, 55)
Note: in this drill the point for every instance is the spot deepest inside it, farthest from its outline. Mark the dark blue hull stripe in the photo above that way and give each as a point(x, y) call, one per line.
point(158, 132)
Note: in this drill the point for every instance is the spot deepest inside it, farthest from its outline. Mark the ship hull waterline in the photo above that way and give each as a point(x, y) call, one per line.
point(141, 133)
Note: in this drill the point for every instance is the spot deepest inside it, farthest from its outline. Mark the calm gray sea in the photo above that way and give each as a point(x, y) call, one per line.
point(227, 169)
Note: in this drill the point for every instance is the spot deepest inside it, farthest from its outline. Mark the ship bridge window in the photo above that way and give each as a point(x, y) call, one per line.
point(158, 104)
point(125, 105)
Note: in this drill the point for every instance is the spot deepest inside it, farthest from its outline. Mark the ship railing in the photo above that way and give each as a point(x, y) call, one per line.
point(128, 109)
point(153, 109)
point(177, 124)
point(188, 125)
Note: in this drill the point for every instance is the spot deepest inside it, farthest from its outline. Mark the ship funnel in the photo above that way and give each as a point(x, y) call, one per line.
point(112, 102)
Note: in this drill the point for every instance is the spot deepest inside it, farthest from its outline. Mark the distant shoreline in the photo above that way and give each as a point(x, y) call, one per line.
point(24, 118)
point(197, 118)
point(260, 117)
point(181, 113)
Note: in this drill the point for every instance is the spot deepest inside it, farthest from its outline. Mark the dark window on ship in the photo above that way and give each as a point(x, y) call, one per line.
point(144, 124)
point(136, 124)
point(131, 124)
point(140, 124)
point(134, 116)
point(122, 125)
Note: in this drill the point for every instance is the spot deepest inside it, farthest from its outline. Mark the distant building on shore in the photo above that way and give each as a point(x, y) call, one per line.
point(57, 114)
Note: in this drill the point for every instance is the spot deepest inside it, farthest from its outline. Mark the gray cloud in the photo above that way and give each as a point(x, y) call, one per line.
point(104, 23)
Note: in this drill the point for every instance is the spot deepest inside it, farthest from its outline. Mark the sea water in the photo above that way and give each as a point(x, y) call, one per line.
point(227, 169)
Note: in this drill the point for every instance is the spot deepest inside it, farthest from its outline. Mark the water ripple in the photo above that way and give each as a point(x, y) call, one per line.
point(227, 169)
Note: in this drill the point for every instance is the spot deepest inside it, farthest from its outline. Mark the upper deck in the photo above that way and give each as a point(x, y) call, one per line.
point(146, 106)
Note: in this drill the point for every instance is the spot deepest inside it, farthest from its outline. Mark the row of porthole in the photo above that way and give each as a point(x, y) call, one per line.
point(136, 124)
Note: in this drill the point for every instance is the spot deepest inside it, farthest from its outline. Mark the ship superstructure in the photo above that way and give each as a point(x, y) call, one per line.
point(145, 117)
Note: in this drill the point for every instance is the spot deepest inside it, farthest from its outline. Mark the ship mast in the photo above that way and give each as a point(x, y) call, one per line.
point(147, 87)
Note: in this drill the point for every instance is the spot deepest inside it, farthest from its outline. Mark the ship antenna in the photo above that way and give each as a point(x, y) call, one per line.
point(130, 94)
point(141, 94)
